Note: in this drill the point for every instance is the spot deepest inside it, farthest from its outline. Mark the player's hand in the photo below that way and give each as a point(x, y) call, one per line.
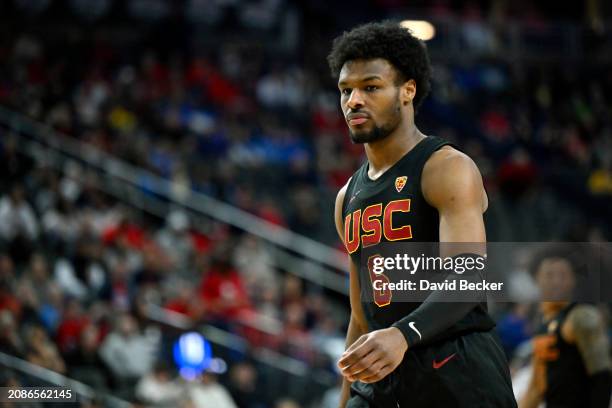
point(544, 348)
point(373, 356)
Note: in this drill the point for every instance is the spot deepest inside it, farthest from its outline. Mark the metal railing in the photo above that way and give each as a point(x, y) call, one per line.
point(51, 377)
point(124, 182)
point(231, 341)
point(296, 253)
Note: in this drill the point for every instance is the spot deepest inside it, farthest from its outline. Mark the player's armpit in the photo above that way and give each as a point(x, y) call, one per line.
point(588, 332)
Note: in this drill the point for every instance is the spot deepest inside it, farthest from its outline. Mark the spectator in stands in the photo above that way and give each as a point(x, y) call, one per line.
point(159, 388)
point(51, 307)
point(286, 403)
point(10, 340)
point(297, 341)
point(59, 223)
point(293, 288)
point(18, 223)
point(244, 386)
point(255, 263)
point(513, 327)
point(206, 391)
point(37, 274)
point(185, 300)
point(7, 268)
point(222, 288)
point(74, 321)
point(119, 291)
point(129, 354)
point(29, 302)
point(13, 164)
point(267, 301)
point(331, 398)
point(84, 362)
point(41, 350)
point(84, 275)
point(153, 269)
point(8, 284)
point(176, 240)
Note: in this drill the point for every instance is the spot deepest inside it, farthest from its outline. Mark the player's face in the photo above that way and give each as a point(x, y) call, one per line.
point(369, 97)
point(556, 280)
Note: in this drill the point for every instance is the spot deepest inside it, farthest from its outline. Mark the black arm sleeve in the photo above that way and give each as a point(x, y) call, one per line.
point(599, 389)
point(437, 313)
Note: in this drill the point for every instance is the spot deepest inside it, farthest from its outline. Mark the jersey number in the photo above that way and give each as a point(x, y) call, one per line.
point(381, 297)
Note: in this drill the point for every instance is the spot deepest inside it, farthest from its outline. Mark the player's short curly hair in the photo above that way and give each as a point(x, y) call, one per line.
point(392, 42)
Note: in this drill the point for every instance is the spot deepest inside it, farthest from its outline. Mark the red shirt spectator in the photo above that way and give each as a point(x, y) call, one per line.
point(127, 234)
point(223, 291)
point(71, 327)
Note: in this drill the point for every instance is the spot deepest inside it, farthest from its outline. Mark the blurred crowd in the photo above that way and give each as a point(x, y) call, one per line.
point(78, 272)
point(265, 134)
point(262, 131)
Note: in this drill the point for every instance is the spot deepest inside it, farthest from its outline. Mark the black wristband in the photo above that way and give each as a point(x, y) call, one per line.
point(435, 315)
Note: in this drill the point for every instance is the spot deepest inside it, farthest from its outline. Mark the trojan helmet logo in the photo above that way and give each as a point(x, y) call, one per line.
point(400, 182)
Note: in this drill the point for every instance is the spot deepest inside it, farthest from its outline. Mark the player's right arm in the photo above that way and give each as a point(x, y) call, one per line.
point(544, 350)
point(357, 324)
point(533, 397)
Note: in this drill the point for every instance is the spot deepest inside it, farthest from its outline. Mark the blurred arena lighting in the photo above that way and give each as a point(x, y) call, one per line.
point(192, 355)
point(421, 29)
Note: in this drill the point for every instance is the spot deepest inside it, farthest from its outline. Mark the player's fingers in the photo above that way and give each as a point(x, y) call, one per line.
point(373, 357)
point(368, 371)
point(354, 354)
point(356, 343)
point(353, 357)
point(377, 374)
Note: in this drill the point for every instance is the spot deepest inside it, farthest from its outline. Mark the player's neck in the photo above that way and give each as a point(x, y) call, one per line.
point(384, 153)
point(551, 309)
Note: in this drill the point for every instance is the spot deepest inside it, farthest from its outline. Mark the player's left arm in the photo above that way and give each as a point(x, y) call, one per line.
point(587, 330)
point(452, 184)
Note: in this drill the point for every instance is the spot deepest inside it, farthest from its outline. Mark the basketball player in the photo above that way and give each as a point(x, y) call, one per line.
point(413, 187)
point(571, 361)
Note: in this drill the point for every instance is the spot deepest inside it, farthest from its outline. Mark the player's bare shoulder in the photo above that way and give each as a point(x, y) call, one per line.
point(585, 327)
point(584, 319)
point(450, 176)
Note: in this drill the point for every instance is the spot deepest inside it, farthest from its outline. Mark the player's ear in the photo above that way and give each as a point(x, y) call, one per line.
point(407, 91)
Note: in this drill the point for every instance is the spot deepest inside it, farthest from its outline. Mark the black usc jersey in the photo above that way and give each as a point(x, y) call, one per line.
point(566, 375)
point(392, 208)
